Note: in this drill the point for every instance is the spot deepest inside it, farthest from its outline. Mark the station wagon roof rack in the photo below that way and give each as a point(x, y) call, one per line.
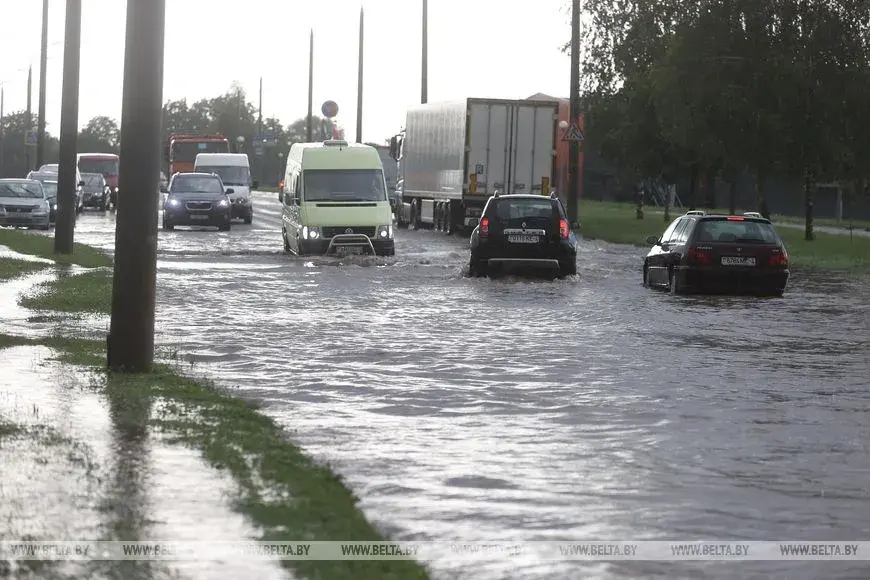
point(696, 212)
point(754, 214)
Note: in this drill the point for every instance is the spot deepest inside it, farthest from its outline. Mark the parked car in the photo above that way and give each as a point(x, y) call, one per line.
point(50, 189)
point(718, 253)
point(23, 203)
point(197, 199)
point(43, 176)
point(96, 192)
point(523, 231)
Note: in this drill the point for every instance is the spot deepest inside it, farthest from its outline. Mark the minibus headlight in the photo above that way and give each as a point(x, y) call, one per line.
point(310, 232)
point(385, 232)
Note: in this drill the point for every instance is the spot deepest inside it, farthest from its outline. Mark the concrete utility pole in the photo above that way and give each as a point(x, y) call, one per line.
point(574, 145)
point(359, 82)
point(2, 132)
point(130, 344)
point(43, 62)
point(29, 120)
point(309, 126)
point(69, 130)
point(424, 69)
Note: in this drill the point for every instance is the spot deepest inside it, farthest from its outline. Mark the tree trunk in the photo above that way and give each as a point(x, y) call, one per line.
point(693, 185)
point(732, 196)
point(639, 195)
point(809, 235)
point(759, 195)
point(668, 203)
point(712, 176)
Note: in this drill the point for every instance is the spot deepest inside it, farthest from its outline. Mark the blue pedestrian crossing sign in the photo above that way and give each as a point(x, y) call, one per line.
point(31, 138)
point(573, 133)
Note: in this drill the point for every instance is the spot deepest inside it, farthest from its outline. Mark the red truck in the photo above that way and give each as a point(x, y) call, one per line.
point(104, 163)
point(181, 150)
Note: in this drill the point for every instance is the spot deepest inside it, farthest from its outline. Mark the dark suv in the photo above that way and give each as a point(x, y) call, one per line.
point(197, 199)
point(523, 231)
point(718, 253)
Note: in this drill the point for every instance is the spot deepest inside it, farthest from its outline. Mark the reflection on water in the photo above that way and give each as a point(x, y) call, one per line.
point(586, 408)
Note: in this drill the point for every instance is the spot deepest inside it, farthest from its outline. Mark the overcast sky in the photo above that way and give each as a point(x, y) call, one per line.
point(478, 48)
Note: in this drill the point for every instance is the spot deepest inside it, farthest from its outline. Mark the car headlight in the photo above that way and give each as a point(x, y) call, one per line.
point(54, 207)
point(310, 232)
point(173, 202)
point(385, 232)
point(224, 203)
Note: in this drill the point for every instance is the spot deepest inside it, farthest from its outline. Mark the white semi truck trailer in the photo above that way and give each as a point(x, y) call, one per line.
point(453, 156)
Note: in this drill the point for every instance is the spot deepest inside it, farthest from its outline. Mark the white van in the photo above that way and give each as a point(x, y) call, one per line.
point(334, 200)
point(235, 171)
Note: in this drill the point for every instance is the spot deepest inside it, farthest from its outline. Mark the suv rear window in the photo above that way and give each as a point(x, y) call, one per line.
point(742, 231)
point(508, 209)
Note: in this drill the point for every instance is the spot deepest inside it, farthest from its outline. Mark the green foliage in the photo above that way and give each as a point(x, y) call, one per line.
point(731, 85)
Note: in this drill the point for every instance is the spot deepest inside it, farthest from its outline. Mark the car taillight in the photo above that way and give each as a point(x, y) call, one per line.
point(779, 258)
point(484, 227)
point(563, 229)
point(699, 256)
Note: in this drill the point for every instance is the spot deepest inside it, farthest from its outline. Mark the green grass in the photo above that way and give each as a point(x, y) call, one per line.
point(617, 223)
point(87, 292)
point(283, 491)
point(25, 242)
point(13, 268)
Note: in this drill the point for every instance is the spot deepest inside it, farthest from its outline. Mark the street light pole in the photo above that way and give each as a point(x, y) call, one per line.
point(130, 344)
point(43, 62)
point(29, 121)
point(359, 81)
point(64, 229)
point(309, 126)
point(424, 68)
point(574, 145)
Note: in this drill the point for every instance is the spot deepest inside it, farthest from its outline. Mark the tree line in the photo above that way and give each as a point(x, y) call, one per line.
point(677, 89)
point(230, 114)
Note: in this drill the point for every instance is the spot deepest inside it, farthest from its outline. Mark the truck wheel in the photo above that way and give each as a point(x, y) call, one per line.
point(400, 216)
point(284, 237)
point(415, 215)
point(439, 216)
point(448, 218)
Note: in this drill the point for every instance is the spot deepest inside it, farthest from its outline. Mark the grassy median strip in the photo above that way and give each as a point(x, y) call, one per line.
point(90, 292)
point(12, 268)
point(282, 490)
point(25, 242)
point(618, 224)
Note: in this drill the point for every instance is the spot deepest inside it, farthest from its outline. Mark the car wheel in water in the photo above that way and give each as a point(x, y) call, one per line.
point(674, 282)
point(224, 228)
point(646, 276)
point(249, 218)
point(284, 239)
point(168, 226)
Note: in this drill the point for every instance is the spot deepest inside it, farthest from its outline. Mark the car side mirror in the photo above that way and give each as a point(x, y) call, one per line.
point(653, 240)
point(281, 196)
point(255, 184)
point(230, 190)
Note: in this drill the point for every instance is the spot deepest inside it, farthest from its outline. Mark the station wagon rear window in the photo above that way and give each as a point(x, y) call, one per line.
point(507, 209)
point(737, 231)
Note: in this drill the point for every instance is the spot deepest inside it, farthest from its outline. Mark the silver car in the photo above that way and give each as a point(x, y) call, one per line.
point(23, 203)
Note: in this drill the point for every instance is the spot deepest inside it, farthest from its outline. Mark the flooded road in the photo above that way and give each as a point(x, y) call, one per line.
point(590, 408)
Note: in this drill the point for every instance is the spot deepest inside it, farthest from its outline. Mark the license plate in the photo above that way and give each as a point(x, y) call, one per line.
point(523, 239)
point(352, 250)
point(738, 261)
point(199, 217)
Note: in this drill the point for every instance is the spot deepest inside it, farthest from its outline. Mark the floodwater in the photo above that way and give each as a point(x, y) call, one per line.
point(582, 409)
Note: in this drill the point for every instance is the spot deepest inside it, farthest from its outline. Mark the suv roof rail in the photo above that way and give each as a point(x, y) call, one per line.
point(754, 214)
point(696, 212)
point(496, 193)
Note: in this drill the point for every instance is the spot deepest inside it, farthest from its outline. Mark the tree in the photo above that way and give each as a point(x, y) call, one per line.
point(100, 135)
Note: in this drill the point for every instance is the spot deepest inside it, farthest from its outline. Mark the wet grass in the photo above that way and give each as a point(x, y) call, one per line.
point(25, 242)
point(284, 492)
point(87, 292)
point(617, 223)
point(12, 268)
